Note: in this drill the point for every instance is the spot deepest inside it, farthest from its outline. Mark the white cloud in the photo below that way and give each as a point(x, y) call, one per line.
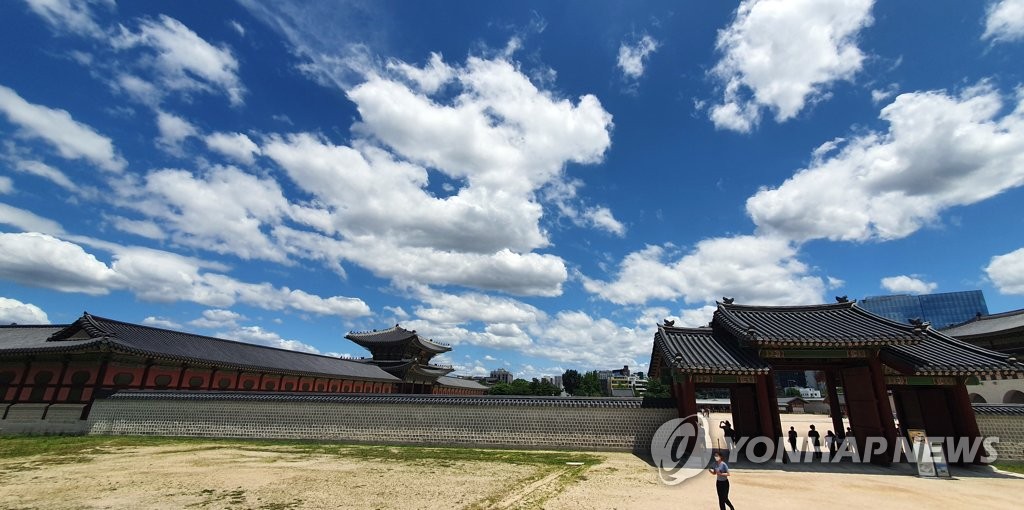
point(40, 260)
point(71, 139)
point(940, 151)
point(236, 146)
point(218, 318)
point(258, 335)
point(152, 275)
point(161, 322)
point(448, 308)
point(70, 15)
point(27, 221)
point(40, 169)
point(500, 138)
point(1004, 21)
point(1007, 272)
point(173, 131)
point(13, 311)
point(782, 54)
point(883, 94)
point(225, 210)
point(6, 184)
point(751, 269)
point(632, 57)
point(143, 228)
point(904, 284)
point(237, 27)
point(602, 218)
point(185, 61)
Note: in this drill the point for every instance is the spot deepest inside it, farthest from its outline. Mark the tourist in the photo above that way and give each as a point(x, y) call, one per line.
point(830, 442)
point(721, 474)
point(849, 439)
point(728, 432)
point(815, 438)
point(792, 439)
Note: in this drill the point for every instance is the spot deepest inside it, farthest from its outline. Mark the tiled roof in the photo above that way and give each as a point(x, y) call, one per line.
point(395, 335)
point(90, 331)
point(999, 409)
point(988, 324)
point(826, 326)
point(466, 400)
point(939, 354)
point(698, 351)
point(15, 338)
point(455, 382)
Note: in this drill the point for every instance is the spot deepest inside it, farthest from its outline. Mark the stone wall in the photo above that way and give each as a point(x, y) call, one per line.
point(42, 419)
point(512, 422)
point(1005, 422)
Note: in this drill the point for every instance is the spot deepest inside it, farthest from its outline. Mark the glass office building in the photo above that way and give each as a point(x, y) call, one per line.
point(941, 310)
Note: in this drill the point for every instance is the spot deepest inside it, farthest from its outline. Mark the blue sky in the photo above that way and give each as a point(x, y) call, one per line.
point(536, 183)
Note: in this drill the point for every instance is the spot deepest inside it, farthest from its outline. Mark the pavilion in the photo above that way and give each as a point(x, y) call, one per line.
point(405, 355)
point(868, 356)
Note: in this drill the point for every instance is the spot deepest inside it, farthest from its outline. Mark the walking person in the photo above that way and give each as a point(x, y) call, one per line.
point(815, 438)
point(792, 439)
point(721, 474)
point(728, 432)
point(830, 442)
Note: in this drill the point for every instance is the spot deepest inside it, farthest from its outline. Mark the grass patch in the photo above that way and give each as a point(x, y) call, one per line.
point(1013, 467)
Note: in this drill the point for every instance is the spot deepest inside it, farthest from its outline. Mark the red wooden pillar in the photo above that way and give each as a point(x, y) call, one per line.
point(768, 408)
point(964, 420)
point(835, 408)
point(24, 377)
point(60, 380)
point(181, 376)
point(884, 409)
point(145, 373)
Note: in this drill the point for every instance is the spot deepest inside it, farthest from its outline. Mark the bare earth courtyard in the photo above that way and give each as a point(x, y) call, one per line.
point(131, 472)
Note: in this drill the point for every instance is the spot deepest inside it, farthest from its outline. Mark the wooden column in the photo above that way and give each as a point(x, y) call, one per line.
point(60, 381)
point(884, 409)
point(181, 375)
point(964, 420)
point(145, 373)
point(24, 377)
point(835, 408)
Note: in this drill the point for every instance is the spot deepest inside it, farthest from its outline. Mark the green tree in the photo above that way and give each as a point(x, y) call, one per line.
point(792, 392)
point(590, 385)
point(656, 389)
point(571, 381)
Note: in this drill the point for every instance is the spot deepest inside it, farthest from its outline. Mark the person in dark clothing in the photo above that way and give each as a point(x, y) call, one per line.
point(721, 474)
point(815, 438)
point(792, 438)
point(728, 433)
point(830, 442)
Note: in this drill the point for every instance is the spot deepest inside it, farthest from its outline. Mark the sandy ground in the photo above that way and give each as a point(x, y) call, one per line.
point(207, 475)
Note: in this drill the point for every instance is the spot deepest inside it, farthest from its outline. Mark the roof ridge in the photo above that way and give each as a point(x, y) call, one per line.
point(208, 337)
point(784, 308)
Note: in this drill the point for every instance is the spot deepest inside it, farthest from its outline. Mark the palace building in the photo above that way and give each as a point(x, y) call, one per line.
point(885, 369)
point(73, 363)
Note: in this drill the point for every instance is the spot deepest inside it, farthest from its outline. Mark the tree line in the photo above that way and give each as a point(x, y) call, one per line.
point(587, 384)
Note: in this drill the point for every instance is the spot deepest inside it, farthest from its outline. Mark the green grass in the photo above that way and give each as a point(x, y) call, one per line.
point(1011, 466)
point(83, 447)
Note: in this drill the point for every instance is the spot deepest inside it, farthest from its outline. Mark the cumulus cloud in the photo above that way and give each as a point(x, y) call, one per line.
point(71, 139)
point(500, 138)
point(6, 184)
point(152, 275)
point(1004, 21)
point(782, 54)
point(161, 322)
point(40, 260)
point(173, 131)
point(28, 221)
point(73, 16)
point(223, 210)
point(941, 150)
point(260, 336)
point(184, 61)
point(40, 169)
point(904, 284)
point(13, 311)
point(752, 269)
point(632, 57)
point(1007, 272)
point(218, 318)
point(236, 146)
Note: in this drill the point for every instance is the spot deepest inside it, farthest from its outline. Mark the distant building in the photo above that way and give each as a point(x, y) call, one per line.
point(1003, 332)
point(502, 376)
point(941, 310)
point(558, 381)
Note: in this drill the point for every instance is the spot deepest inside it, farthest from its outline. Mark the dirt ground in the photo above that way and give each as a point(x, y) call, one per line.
point(199, 474)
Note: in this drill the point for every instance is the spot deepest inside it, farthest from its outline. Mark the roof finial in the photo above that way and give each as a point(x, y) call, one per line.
point(728, 300)
point(842, 299)
point(669, 324)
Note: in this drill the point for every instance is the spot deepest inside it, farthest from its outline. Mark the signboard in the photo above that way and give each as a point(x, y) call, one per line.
point(723, 379)
point(813, 353)
point(919, 380)
point(931, 462)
